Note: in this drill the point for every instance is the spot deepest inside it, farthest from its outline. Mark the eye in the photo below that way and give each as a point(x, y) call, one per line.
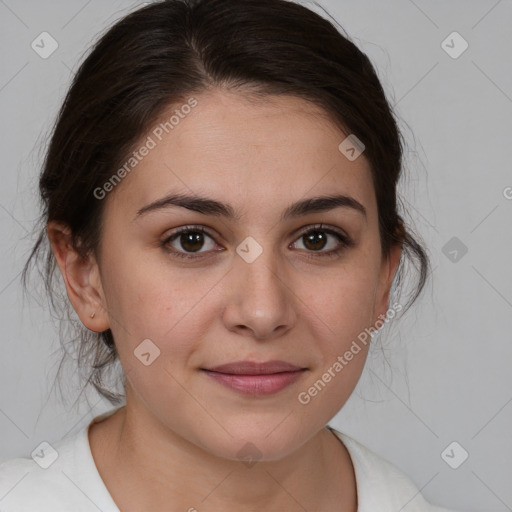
point(316, 239)
point(190, 239)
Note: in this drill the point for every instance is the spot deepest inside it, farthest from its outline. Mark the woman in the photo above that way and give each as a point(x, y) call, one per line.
point(220, 199)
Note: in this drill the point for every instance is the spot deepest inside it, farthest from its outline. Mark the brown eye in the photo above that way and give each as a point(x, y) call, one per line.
point(188, 240)
point(191, 241)
point(315, 240)
point(318, 239)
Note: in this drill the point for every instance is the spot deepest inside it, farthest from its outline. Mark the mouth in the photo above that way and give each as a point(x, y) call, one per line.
point(251, 378)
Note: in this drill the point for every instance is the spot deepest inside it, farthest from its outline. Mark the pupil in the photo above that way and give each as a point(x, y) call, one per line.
point(316, 238)
point(191, 241)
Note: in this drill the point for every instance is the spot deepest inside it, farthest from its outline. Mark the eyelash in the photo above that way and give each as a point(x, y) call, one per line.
point(345, 242)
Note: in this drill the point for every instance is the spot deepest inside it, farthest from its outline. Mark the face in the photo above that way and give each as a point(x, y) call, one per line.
point(250, 281)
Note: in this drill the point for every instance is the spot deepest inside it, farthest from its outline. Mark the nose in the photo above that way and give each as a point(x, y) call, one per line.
point(259, 300)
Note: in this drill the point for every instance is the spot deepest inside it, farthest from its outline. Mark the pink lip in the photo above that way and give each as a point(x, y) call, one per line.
point(256, 378)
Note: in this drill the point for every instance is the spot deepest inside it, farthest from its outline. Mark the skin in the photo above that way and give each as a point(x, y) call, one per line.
point(178, 437)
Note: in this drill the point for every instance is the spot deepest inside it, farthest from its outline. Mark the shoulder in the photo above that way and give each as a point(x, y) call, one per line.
point(57, 477)
point(33, 483)
point(381, 485)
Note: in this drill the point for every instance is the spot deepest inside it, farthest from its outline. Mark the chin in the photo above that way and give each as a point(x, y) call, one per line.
point(251, 442)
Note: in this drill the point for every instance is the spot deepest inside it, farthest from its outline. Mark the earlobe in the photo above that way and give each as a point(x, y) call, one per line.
point(81, 278)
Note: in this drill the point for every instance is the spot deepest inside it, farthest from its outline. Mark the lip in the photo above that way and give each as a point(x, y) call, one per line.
point(252, 378)
point(254, 368)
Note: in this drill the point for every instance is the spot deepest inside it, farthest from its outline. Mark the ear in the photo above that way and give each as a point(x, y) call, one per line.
point(388, 270)
point(81, 277)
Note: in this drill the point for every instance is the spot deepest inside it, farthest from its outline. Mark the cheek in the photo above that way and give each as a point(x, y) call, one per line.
point(341, 346)
point(340, 314)
point(146, 300)
point(343, 302)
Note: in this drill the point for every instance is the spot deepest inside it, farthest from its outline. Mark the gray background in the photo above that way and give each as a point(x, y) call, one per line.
point(442, 373)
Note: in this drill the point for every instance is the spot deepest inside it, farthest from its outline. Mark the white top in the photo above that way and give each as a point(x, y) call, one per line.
point(71, 481)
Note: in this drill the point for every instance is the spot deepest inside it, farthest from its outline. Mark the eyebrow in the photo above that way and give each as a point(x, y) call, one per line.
point(208, 206)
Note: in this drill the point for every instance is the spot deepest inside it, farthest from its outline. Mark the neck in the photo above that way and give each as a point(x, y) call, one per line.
point(146, 466)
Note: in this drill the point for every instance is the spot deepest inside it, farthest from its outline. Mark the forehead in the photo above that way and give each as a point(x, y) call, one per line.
point(249, 152)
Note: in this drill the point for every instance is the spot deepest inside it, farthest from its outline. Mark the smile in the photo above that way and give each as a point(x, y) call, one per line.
point(252, 378)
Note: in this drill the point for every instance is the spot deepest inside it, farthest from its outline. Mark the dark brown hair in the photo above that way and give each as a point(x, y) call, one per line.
point(162, 54)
